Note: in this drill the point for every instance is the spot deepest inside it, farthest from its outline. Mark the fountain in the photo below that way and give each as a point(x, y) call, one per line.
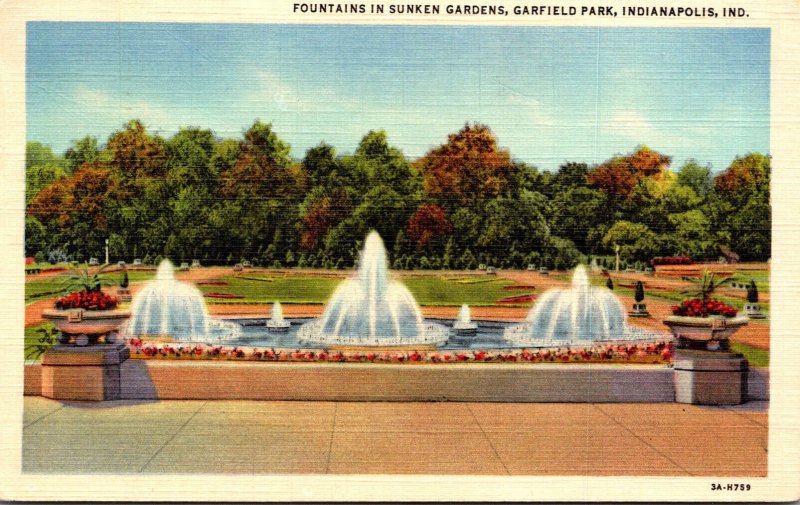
point(276, 321)
point(582, 314)
point(463, 324)
point(372, 310)
point(168, 307)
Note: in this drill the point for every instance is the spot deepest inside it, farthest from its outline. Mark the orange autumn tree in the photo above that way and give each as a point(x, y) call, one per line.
point(749, 173)
point(323, 214)
point(619, 175)
point(427, 223)
point(468, 169)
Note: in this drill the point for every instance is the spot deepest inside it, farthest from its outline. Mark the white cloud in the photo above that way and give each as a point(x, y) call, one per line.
point(632, 124)
point(119, 107)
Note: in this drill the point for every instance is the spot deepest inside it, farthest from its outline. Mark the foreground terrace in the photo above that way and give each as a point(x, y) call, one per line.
point(268, 437)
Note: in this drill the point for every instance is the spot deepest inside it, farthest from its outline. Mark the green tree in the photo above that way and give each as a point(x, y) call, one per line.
point(82, 151)
point(576, 212)
point(693, 235)
point(636, 240)
point(695, 176)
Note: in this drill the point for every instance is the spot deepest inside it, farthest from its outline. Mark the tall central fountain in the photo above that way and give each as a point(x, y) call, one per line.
point(579, 314)
point(372, 310)
point(168, 307)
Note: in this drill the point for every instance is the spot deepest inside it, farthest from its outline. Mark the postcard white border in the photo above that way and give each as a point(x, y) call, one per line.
point(783, 482)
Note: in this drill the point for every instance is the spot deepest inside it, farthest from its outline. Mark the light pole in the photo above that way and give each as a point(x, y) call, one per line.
point(106, 251)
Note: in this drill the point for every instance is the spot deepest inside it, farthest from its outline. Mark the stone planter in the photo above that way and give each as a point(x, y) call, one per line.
point(711, 333)
point(87, 370)
point(87, 326)
point(639, 310)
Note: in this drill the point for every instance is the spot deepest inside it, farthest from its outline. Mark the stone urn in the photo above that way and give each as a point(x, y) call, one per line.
point(86, 326)
point(710, 333)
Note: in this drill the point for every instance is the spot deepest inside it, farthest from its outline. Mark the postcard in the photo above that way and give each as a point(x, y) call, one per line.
point(334, 251)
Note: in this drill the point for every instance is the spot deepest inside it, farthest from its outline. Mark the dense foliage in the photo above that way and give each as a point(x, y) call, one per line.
point(466, 202)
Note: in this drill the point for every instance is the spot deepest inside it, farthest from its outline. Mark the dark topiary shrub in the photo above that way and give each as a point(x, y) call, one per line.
point(639, 295)
point(752, 292)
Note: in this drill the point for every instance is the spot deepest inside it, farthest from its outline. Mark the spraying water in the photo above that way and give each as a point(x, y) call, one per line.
point(276, 321)
point(463, 324)
point(371, 309)
point(581, 313)
point(168, 307)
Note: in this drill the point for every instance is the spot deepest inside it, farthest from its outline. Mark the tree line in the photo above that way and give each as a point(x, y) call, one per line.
point(465, 202)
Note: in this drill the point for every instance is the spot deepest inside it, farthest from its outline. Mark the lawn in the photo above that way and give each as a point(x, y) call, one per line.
point(54, 286)
point(268, 289)
point(436, 290)
point(760, 276)
point(756, 357)
point(433, 289)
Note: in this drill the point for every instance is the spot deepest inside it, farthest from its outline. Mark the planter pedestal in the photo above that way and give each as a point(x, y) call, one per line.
point(124, 295)
point(710, 377)
point(88, 373)
point(753, 311)
point(639, 310)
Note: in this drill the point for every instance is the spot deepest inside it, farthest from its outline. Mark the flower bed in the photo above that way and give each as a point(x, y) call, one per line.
point(696, 307)
point(518, 299)
point(87, 300)
point(212, 283)
point(672, 260)
point(639, 353)
point(223, 296)
point(518, 287)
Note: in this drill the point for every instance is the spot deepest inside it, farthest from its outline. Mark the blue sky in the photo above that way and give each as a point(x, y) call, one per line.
point(550, 94)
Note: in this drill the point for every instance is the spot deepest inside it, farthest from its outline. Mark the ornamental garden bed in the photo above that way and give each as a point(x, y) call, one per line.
point(518, 299)
point(656, 353)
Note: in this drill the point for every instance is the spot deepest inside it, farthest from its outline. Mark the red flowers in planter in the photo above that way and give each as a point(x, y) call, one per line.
point(698, 308)
point(87, 300)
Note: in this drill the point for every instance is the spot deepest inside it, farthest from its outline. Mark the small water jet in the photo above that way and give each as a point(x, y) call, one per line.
point(372, 310)
point(463, 324)
point(276, 321)
point(168, 307)
point(576, 315)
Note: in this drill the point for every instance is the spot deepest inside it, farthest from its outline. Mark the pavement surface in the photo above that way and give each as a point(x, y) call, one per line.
point(263, 437)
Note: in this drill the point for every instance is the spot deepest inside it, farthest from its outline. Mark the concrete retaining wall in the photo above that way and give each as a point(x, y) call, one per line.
point(368, 382)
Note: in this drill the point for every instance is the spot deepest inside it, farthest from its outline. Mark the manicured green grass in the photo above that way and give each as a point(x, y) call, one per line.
point(438, 290)
point(54, 286)
point(431, 289)
point(760, 276)
point(755, 356)
point(292, 289)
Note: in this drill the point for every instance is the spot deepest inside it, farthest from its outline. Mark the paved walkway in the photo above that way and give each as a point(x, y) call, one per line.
point(396, 438)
